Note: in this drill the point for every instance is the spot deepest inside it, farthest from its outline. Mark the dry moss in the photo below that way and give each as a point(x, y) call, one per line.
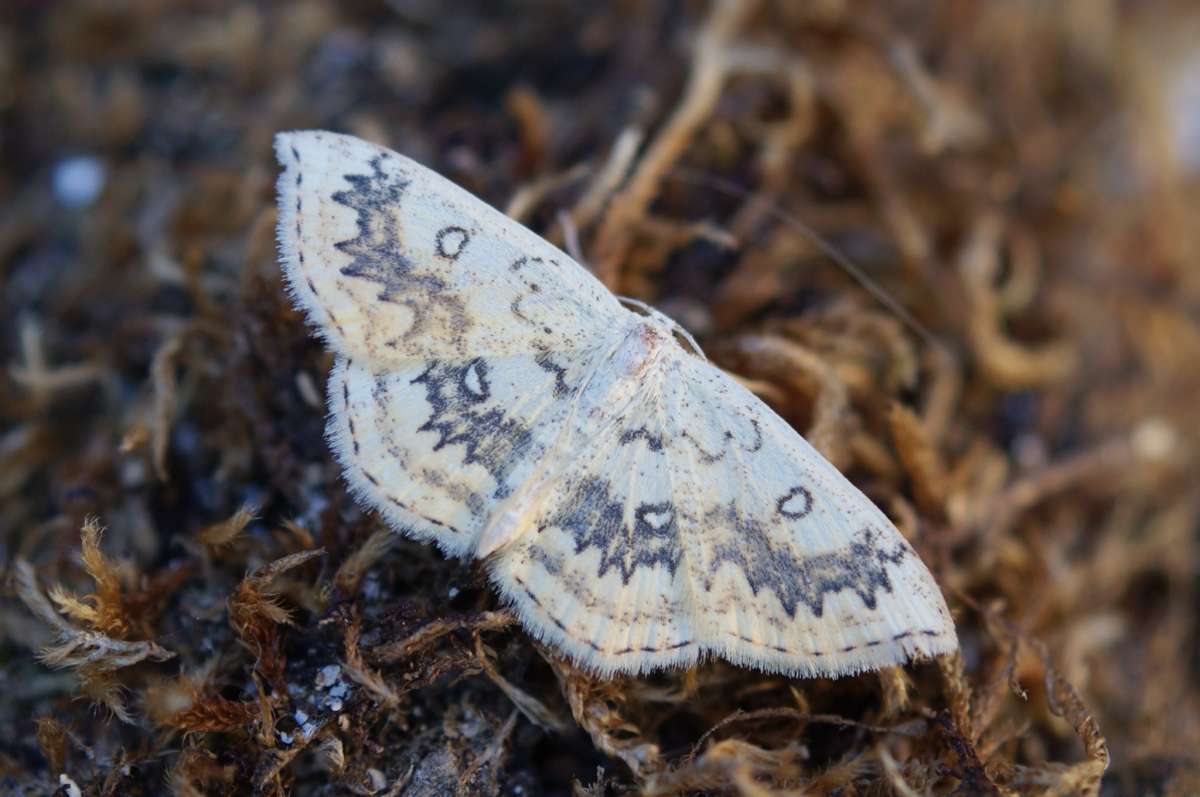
point(1016, 386)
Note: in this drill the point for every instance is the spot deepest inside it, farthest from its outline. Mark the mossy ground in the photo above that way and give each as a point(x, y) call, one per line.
point(1021, 178)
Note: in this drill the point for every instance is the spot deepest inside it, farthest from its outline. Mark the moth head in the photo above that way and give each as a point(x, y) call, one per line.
point(666, 323)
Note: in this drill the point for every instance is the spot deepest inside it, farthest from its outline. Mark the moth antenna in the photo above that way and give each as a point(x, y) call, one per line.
point(773, 209)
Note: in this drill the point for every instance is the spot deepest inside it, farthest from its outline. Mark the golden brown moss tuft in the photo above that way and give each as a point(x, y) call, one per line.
point(951, 243)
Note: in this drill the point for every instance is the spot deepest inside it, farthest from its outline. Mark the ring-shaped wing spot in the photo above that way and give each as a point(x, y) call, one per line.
point(393, 263)
point(649, 556)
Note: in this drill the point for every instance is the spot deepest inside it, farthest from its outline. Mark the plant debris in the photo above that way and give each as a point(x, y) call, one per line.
point(953, 244)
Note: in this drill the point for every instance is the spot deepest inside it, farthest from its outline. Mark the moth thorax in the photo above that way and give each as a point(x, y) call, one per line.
point(640, 347)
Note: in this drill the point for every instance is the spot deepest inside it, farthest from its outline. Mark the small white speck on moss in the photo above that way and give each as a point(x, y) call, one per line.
point(328, 675)
point(1154, 440)
point(72, 787)
point(78, 180)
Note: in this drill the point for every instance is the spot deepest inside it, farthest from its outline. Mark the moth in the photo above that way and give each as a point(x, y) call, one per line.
point(635, 505)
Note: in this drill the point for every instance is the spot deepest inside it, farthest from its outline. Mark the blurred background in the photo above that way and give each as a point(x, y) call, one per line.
point(1017, 178)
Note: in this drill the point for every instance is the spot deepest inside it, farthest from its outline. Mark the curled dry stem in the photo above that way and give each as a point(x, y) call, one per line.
point(708, 73)
point(402, 649)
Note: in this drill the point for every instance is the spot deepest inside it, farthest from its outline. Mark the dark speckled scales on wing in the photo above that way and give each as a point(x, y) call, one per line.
point(636, 506)
point(698, 522)
point(394, 264)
